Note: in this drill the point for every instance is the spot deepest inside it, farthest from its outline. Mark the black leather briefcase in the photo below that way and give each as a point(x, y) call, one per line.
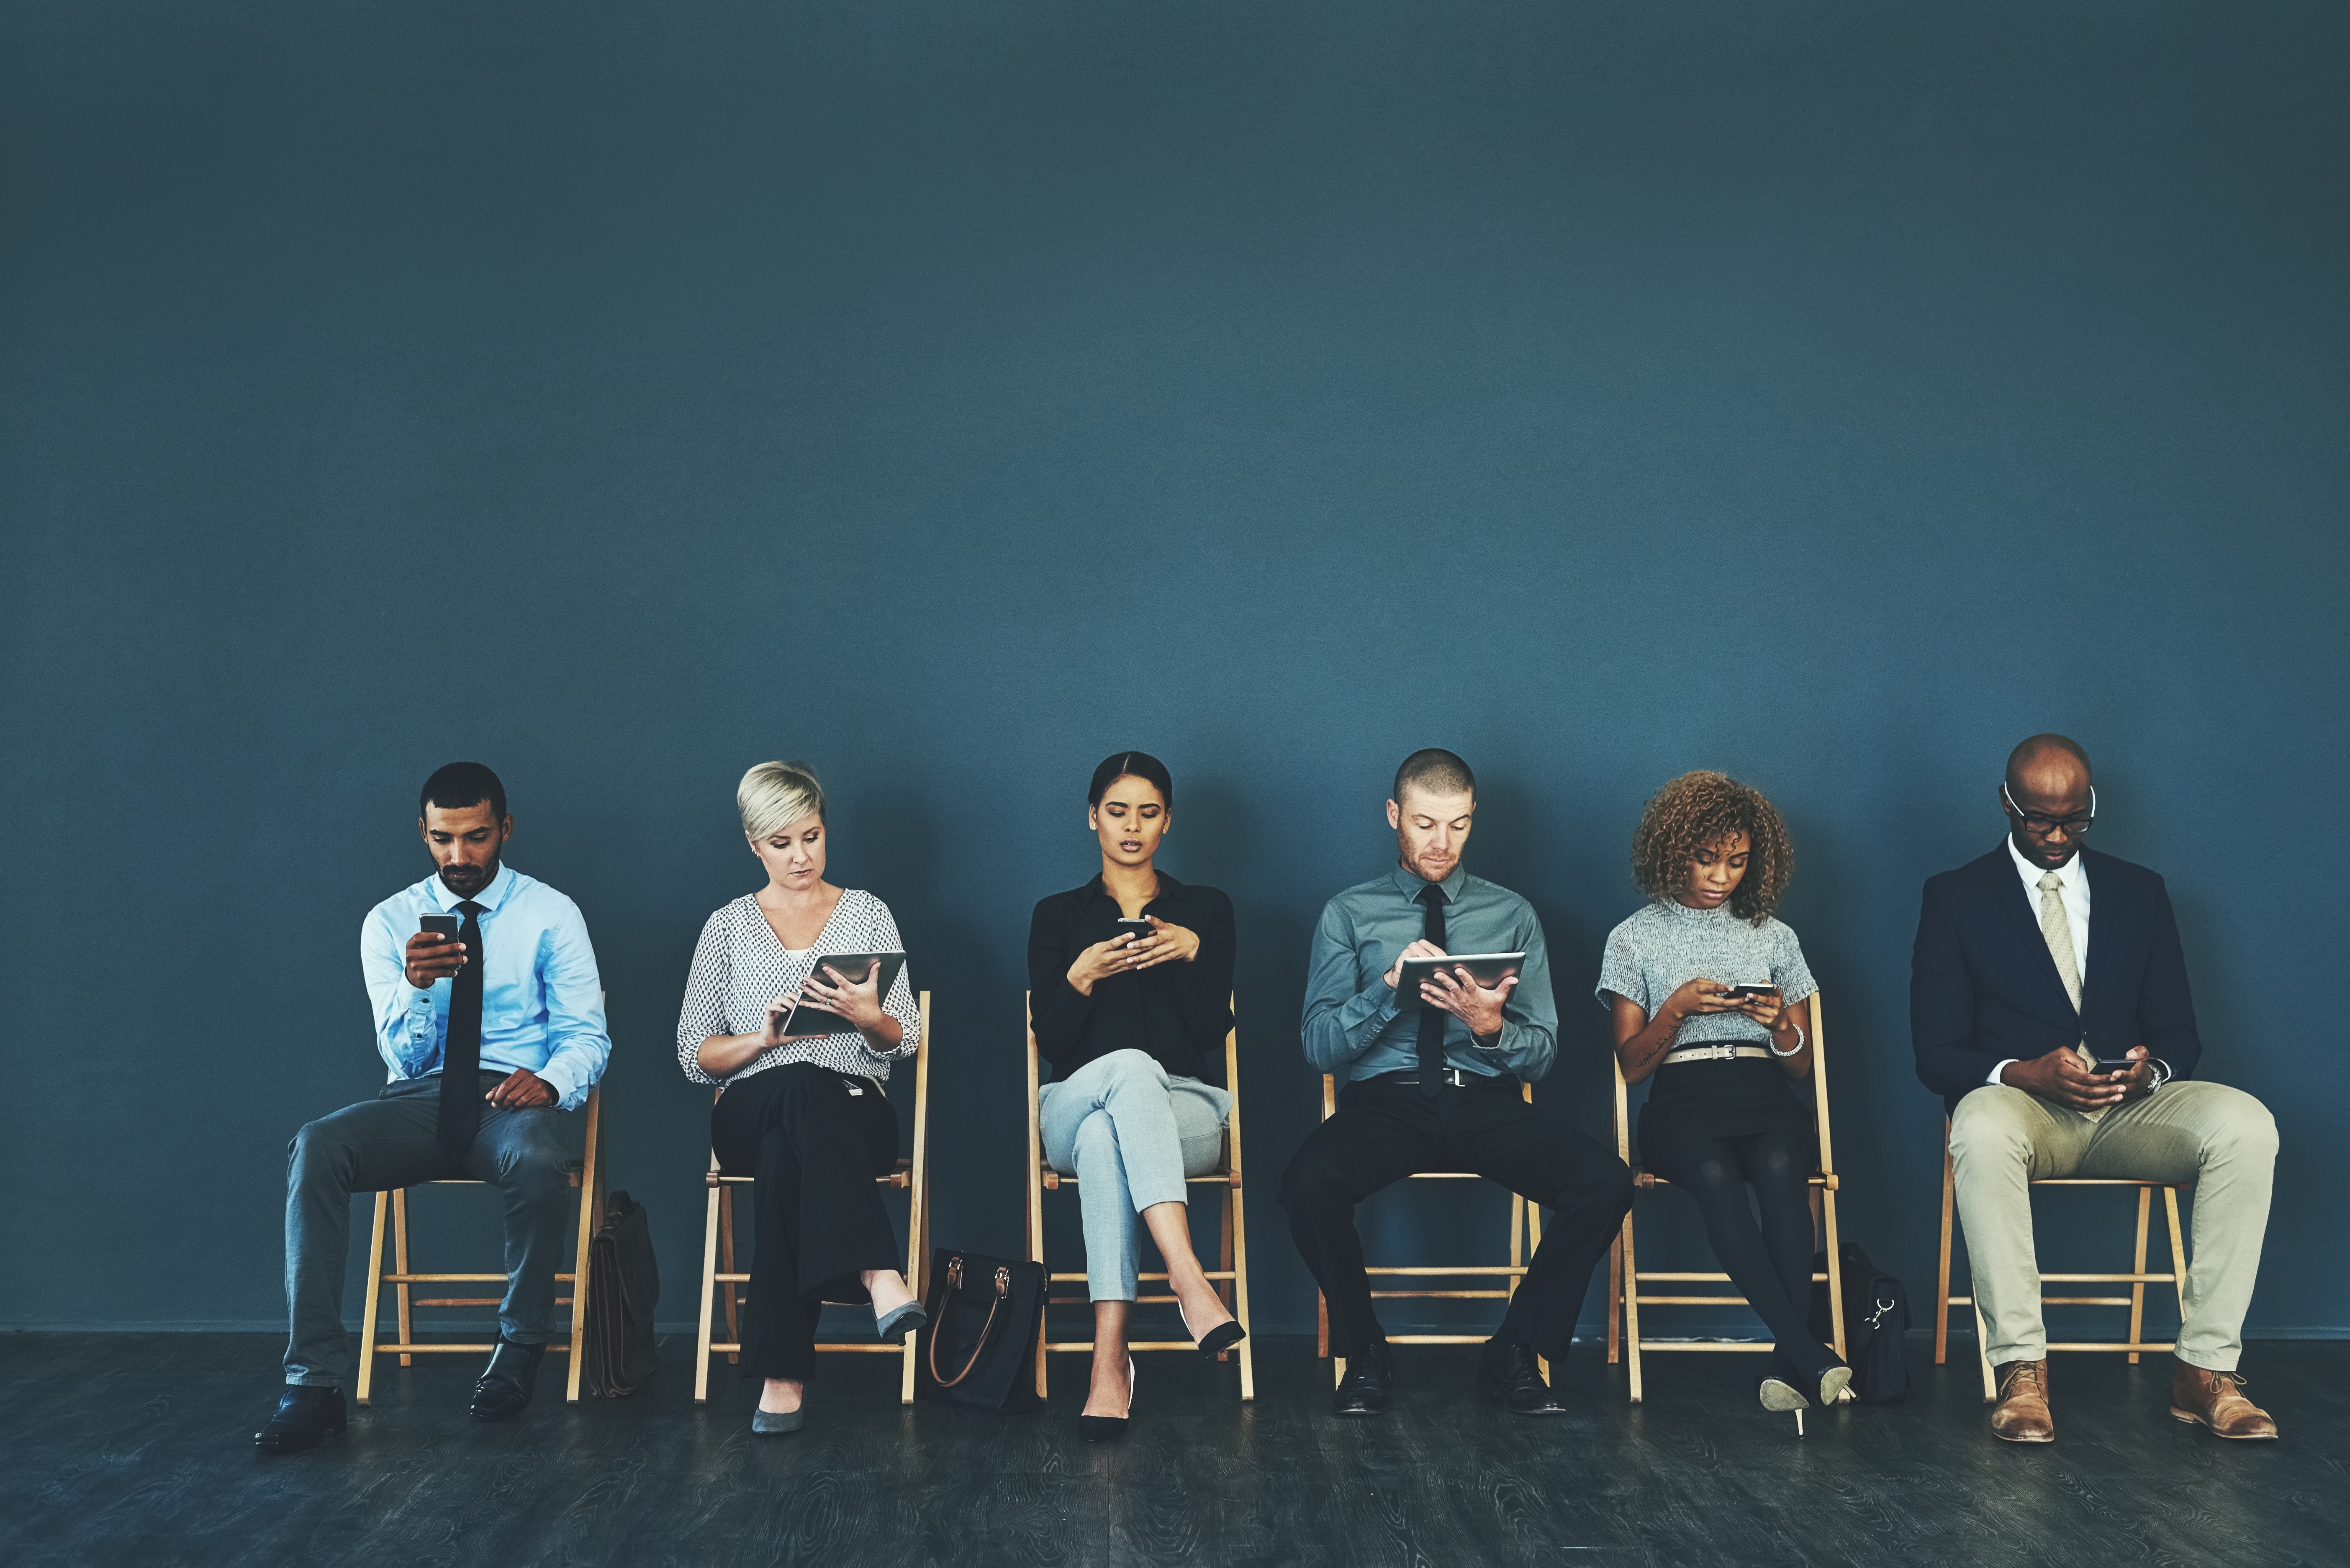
point(624, 1286)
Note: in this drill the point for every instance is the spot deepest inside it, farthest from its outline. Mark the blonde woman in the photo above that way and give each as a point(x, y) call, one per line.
point(805, 1116)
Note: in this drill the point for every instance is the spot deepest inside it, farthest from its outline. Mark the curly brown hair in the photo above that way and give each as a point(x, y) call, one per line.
point(1697, 811)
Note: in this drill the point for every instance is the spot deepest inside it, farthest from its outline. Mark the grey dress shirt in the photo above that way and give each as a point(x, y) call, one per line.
point(1356, 1025)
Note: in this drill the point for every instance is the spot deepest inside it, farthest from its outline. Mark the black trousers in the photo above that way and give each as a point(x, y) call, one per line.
point(812, 1140)
point(1384, 1132)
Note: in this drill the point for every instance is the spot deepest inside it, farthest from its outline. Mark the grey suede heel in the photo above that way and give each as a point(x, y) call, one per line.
point(776, 1423)
point(903, 1321)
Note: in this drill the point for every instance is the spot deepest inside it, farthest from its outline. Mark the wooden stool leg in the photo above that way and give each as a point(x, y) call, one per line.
point(1225, 1287)
point(400, 1266)
point(1631, 1306)
point(709, 1301)
point(369, 1326)
point(2178, 1252)
point(1240, 1296)
point(726, 1255)
point(1615, 1300)
point(2137, 1286)
point(1835, 1273)
point(1942, 1276)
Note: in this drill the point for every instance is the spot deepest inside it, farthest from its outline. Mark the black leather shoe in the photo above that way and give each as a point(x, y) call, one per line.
point(504, 1388)
point(305, 1417)
point(1367, 1385)
point(1512, 1373)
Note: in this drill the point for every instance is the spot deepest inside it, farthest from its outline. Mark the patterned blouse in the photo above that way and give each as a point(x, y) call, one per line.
point(1669, 944)
point(740, 966)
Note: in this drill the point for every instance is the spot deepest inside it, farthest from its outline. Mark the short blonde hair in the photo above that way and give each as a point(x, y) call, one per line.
point(774, 795)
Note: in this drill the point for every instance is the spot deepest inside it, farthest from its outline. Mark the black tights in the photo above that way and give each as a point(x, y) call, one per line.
point(1771, 1265)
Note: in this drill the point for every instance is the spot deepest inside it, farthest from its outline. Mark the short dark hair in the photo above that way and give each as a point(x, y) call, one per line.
point(1142, 765)
point(456, 786)
point(1436, 772)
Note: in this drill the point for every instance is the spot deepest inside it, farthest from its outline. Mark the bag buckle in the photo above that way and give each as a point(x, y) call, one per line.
point(1002, 1282)
point(955, 1273)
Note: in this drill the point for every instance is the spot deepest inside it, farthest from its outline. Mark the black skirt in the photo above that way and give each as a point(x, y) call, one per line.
point(1691, 1103)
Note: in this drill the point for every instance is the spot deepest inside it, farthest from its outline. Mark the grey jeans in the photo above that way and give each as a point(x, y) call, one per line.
point(1129, 1131)
point(393, 1141)
point(2219, 1139)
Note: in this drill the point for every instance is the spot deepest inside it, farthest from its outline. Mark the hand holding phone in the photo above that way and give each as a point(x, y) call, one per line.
point(434, 952)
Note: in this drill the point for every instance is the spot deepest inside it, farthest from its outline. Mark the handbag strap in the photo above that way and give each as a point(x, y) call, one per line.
point(954, 1281)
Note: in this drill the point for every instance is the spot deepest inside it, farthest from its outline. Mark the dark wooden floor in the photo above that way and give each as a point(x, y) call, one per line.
point(119, 1448)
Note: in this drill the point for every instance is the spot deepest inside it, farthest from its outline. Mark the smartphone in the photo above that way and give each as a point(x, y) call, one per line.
point(2121, 1066)
point(1741, 993)
point(1139, 929)
point(441, 924)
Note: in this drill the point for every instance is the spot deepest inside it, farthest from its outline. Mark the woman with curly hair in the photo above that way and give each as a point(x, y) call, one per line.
point(1711, 994)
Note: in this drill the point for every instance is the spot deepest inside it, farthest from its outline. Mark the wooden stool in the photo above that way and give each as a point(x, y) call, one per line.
point(910, 1176)
point(1623, 1264)
point(1231, 1280)
point(1526, 1235)
point(587, 1178)
point(2137, 1279)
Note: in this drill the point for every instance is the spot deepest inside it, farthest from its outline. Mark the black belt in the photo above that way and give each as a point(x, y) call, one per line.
point(1457, 1077)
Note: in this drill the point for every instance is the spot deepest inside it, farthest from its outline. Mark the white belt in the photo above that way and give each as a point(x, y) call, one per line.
point(1721, 1052)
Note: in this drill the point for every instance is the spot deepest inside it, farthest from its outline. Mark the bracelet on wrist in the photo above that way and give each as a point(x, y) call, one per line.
point(1799, 1044)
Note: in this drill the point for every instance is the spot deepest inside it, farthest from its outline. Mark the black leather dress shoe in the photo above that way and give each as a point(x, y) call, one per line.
point(505, 1385)
point(1367, 1385)
point(1512, 1373)
point(305, 1417)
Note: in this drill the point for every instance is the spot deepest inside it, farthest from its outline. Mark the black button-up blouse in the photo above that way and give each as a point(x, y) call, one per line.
point(1177, 1012)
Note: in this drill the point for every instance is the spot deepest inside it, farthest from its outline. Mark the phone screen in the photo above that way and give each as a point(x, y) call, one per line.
point(1137, 930)
point(441, 924)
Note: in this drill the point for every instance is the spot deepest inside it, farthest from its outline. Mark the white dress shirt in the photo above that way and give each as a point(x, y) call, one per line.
point(2074, 891)
point(542, 1003)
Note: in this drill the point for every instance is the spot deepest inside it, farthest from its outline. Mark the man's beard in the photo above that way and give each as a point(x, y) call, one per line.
point(467, 880)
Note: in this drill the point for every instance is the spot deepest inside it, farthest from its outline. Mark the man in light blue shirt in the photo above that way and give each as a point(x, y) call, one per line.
point(1434, 1082)
point(492, 1027)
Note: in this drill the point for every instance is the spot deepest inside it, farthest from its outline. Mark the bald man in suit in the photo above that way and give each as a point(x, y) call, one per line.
point(2037, 968)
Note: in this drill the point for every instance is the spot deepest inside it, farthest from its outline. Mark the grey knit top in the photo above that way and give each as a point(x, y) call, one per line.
point(1666, 945)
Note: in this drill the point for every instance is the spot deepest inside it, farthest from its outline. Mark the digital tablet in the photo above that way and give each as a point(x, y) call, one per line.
point(1491, 970)
point(807, 1018)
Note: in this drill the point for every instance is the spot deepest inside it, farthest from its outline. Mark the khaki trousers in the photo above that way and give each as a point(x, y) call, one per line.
point(2219, 1139)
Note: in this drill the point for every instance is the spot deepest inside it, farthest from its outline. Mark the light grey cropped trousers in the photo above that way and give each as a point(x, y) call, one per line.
point(1129, 1131)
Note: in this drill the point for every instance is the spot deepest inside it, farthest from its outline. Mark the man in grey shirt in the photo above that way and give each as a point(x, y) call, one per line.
point(1432, 1082)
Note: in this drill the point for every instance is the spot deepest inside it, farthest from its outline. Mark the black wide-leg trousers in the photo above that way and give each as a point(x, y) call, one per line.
point(1384, 1132)
point(812, 1140)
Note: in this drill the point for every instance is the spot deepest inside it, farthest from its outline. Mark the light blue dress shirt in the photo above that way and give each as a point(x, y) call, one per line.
point(1357, 1027)
point(542, 1003)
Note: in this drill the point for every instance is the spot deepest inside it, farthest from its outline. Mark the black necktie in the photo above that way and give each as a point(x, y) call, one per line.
point(460, 1052)
point(1432, 1019)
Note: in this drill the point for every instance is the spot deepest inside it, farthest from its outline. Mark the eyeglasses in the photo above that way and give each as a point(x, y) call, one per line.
point(2040, 822)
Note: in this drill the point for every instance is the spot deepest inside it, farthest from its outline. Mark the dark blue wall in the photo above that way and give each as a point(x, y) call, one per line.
point(1832, 394)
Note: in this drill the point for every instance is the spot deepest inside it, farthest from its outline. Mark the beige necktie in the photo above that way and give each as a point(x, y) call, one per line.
point(2056, 930)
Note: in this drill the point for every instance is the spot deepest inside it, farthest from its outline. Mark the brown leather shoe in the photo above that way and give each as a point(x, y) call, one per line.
point(2216, 1399)
point(2021, 1414)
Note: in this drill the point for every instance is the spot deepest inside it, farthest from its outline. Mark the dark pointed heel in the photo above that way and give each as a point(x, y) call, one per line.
point(1222, 1339)
point(1109, 1429)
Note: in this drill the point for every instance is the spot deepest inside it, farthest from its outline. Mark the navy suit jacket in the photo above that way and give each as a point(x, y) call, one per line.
point(1982, 987)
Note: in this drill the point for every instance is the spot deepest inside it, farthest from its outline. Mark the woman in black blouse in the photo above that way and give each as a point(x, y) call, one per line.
point(1133, 1026)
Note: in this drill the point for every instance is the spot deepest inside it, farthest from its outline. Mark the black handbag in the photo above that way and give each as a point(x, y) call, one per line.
point(1876, 1320)
point(623, 1288)
point(980, 1347)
